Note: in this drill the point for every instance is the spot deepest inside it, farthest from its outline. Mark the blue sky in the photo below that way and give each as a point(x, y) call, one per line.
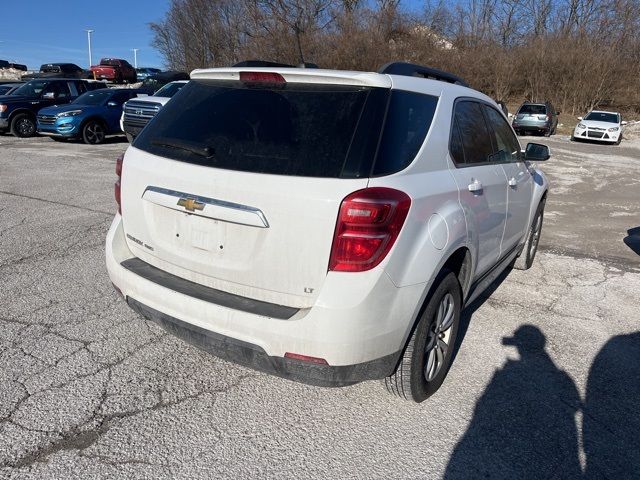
point(41, 31)
point(34, 32)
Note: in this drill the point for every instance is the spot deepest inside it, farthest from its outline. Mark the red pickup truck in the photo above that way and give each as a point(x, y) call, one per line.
point(114, 70)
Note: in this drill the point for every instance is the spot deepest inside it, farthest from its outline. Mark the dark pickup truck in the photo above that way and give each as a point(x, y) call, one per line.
point(114, 70)
point(18, 111)
point(59, 70)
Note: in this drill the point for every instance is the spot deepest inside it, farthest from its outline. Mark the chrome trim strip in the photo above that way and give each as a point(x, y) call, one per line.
point(210, 201)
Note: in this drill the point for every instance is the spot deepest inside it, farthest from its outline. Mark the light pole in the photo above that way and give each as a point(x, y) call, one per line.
point(135, 57)
point(89, 32)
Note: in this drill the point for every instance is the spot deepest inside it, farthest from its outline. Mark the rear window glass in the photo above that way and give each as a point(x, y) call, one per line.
point(293, 129)
point(533, 109)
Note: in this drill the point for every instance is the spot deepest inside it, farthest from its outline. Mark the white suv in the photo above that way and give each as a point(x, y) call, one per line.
point(324, 226)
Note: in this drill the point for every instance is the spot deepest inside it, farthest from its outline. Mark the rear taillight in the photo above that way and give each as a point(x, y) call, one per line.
point(118, 182)
point(262, 77)
point(368, 225)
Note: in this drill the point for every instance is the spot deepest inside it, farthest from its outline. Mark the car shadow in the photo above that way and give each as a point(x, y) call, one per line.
point(467, 313)
point(632, 240)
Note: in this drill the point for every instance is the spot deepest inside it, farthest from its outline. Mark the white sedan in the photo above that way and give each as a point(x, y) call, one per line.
point(600, 126)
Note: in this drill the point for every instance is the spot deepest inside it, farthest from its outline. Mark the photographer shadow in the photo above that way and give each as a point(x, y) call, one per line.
point(524, 424)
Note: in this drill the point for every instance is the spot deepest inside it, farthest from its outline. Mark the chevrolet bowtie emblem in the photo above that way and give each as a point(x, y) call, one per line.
point(190, 204)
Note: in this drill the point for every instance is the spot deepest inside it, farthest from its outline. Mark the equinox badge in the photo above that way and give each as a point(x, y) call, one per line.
point(190, 204)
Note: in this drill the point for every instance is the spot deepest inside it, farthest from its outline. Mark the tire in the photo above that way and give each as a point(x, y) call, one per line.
point(547, 133)
point(93, 132)
point(23, 125)
point(525, 260)
point(130, 138)
point(619, 140)
point(427, 357)
point(573, 139)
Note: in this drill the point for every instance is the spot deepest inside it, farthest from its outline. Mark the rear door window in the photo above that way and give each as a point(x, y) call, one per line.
point(475, 137)
point(314, 130)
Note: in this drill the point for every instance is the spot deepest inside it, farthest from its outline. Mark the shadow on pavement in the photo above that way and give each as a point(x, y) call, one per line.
point(524, 424)
point(611, 421)
point(632, 240)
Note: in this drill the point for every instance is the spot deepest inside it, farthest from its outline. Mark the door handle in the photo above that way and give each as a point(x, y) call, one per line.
point(513, 182)
point(475, 186)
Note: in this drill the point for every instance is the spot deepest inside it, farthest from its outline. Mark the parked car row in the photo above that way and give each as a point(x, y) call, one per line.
point(66, 108)
point(542, 118)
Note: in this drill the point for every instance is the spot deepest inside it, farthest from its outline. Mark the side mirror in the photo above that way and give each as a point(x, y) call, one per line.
point(580, 119)
point(623, 123)
point(536, 152)
point(112, 104)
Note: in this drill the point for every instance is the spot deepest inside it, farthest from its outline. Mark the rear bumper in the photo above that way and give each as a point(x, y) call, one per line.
point(360, 333)
point(253, 356)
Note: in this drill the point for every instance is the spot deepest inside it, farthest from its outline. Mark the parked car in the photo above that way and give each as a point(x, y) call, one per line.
point(18, 66)
point(139, 111)
point(145, 72)
point(92, 116)
point(155, 82)
point(325, 226)
point(536, 118)
point(59, 70)
point(18, 111)
point(600, 126)
point(7, 88)
point(114, 70)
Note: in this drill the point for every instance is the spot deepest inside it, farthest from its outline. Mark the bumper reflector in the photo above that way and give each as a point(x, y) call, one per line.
point(305, 358)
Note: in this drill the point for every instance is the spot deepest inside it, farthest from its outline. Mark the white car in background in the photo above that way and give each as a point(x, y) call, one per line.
point(136, 114)
point(600, 126)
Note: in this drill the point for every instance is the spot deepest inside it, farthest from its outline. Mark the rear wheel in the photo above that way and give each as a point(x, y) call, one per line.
point(93, 133)
point(525, 260)
point(427, 358)
point(23, 125)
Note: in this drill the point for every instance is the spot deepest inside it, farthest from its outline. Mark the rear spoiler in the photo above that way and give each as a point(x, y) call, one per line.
point(299, 75)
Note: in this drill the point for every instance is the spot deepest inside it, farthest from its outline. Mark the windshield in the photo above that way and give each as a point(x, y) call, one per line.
point(311, 130)
point(169, 90)
point(602, 117)
point(533, 110)
point(95, 97)
point(109, 62)
point(31, 89)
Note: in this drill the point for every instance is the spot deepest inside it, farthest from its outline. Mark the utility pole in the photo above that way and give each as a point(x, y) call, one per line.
point(135, 57)
point(89, 32)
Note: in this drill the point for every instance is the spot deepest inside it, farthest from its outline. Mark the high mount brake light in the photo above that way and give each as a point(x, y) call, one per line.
point(262, 77)
point(368, 225)
point(117, 185)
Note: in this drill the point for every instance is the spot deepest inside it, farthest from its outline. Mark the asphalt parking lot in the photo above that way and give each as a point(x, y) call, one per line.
point(546, 383)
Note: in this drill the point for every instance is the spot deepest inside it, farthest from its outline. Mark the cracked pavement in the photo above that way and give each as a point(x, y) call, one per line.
point(89, 389)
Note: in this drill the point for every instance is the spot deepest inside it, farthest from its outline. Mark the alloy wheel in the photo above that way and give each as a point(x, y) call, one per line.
point(94, 133)
point(439, 337)
point(25, 127)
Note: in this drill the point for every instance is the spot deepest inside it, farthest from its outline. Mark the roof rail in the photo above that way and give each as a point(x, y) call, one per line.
point(411, 70)
point(264, 63)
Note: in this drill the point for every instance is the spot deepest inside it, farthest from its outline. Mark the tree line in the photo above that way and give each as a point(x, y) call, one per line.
point(578, 54)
